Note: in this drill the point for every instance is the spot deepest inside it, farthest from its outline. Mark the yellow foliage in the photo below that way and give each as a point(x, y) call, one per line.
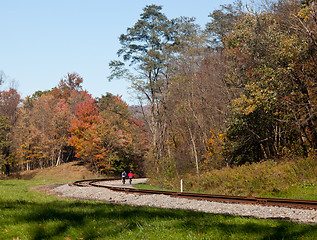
point(215, 144)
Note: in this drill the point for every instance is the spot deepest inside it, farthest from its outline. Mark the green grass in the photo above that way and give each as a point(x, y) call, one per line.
point(26, 214)
point(306, 191)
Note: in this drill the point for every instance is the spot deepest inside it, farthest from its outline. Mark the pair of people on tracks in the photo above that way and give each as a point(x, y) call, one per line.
point(130, 175)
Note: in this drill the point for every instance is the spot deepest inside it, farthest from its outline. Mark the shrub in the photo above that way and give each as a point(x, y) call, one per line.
point(257, 179)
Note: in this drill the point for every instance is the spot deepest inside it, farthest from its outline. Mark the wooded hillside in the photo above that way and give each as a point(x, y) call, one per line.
point(65, 124)
point(239, 90)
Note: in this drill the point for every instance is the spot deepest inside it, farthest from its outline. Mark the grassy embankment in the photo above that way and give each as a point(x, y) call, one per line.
point(286, 179)
point(27, 214)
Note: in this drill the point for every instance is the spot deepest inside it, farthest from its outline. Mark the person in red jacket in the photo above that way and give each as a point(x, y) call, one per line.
point(130, 176)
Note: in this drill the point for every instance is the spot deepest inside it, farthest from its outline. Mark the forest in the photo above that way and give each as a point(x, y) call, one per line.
point(240, 90)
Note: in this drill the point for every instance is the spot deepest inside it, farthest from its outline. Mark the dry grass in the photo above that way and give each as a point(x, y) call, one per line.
point(66, 172)
point(289, 179)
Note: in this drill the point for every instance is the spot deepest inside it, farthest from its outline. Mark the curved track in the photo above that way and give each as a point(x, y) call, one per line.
point(291, 203)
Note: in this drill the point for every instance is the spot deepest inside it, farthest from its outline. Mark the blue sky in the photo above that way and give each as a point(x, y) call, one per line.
point(42, 40)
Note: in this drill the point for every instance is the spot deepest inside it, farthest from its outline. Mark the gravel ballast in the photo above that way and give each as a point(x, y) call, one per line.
point(163, 201)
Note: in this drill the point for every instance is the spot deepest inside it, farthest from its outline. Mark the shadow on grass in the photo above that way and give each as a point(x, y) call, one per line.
point(95, 220)
point(228, 226)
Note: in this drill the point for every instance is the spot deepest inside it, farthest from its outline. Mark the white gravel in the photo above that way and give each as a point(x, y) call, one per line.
point(162, 201)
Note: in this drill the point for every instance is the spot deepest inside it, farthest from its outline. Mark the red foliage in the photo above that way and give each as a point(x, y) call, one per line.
point(9, 101)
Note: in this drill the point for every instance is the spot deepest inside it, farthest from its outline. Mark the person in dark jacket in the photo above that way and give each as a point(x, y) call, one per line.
point(124, 175)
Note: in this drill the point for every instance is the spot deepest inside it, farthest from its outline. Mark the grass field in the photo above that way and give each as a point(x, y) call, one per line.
point(27, 214)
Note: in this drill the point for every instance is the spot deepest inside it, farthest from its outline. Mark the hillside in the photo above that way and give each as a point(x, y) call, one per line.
point(66, 172)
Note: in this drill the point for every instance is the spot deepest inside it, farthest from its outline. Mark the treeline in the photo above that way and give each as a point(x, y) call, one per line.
point(238, 91)
point(66, 124)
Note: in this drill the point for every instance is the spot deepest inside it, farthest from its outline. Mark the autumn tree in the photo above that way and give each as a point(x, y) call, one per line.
point(222, 22)
point(83, 132)
point(60, 131)
point(301, 20)
point(70, 82)
point(9, 101)
point(41, 130)
point(199, 97)
point(105, 134)
point(5, 163)
point(272, 64)
point(130, 145)
point(66, 123)
point(41, 133)
point(149, 46)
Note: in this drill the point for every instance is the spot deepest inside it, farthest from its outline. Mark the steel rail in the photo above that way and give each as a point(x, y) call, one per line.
point(281, 202)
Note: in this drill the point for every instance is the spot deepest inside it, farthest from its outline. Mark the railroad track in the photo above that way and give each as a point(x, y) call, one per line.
point(281, 202)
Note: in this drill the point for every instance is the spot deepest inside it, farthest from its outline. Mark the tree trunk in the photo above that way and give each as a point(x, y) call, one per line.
point(194, 150)
point(58, 162)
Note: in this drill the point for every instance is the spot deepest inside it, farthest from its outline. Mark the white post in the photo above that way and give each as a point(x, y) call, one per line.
point(181, 185)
